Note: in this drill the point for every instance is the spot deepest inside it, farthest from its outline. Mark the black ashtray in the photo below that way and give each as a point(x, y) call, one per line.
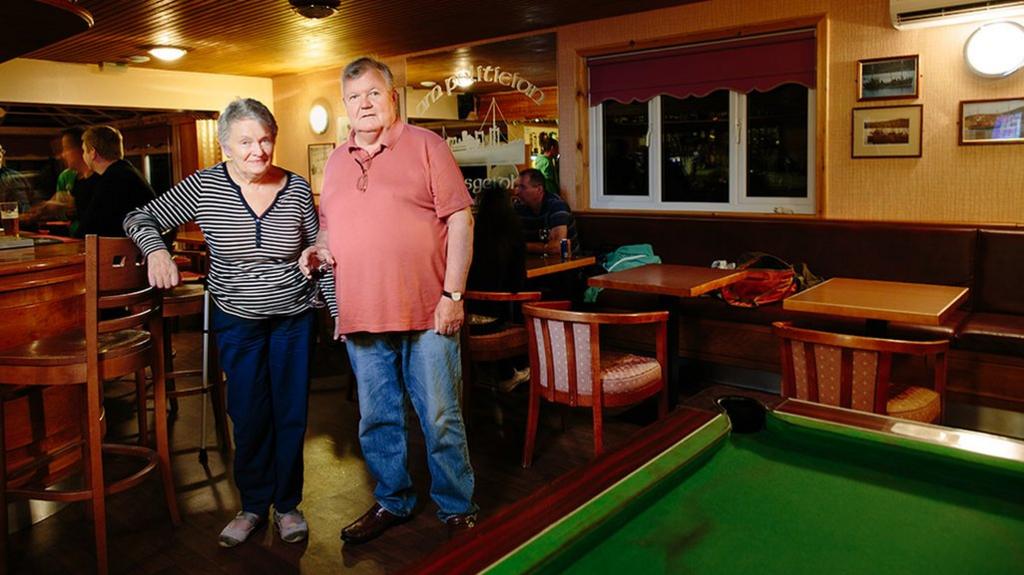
point(745, 413)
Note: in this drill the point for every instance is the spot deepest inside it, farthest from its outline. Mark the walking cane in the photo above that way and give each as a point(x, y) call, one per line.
point(206, 375)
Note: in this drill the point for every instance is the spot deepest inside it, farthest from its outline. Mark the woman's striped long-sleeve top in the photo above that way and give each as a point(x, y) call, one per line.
point(254, 269)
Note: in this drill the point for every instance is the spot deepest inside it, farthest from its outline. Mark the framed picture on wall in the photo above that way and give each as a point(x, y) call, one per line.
point(992, 121)
point(887, 132)
point(887, 78)
point(318, 154)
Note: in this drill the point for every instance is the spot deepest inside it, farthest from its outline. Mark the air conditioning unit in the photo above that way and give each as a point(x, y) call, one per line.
point(925, 13)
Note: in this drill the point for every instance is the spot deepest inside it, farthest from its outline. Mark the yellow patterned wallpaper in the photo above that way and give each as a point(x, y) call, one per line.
point(949, 183)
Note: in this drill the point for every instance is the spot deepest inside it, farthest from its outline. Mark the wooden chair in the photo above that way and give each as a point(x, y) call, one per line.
point(566, 358)
point(853, 371)
point(507, 343)
point(103, 350)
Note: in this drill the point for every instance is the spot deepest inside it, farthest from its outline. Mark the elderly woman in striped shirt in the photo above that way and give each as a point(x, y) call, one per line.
point(256, 218)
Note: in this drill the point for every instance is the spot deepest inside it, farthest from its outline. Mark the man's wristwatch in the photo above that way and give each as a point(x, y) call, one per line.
point(452, 295)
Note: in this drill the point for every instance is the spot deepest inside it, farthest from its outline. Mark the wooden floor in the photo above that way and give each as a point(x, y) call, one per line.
point(337, 488)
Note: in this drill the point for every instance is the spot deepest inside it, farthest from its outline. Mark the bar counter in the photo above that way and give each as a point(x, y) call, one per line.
point(41, 293)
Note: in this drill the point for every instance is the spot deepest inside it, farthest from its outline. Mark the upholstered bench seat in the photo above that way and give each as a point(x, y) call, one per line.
point(993, 332)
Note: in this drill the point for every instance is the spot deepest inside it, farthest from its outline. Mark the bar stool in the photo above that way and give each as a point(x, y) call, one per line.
point(104, 349)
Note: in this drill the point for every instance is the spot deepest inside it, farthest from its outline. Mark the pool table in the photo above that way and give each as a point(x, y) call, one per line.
point(813, 490)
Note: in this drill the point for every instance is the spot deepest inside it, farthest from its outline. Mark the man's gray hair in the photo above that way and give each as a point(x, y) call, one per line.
point(357, 68)
point(245, 109)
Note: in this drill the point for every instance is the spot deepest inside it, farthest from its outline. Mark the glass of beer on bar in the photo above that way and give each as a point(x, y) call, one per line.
point(9, 214)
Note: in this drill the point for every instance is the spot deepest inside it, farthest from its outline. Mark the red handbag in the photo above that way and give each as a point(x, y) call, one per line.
point(769, 279)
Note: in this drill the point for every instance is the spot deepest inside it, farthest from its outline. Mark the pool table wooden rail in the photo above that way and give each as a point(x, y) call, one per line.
point(502, 533)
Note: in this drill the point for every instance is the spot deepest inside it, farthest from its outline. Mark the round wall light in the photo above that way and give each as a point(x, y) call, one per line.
point(319, 118)
point(995, 50)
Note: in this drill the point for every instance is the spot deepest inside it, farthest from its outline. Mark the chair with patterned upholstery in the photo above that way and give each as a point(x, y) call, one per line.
point(853, 371)
point(566, 359)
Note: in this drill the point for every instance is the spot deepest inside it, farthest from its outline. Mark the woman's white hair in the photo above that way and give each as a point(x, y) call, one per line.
point(244, 109)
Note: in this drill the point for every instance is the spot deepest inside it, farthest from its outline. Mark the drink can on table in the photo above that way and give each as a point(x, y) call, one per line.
point(565, 248)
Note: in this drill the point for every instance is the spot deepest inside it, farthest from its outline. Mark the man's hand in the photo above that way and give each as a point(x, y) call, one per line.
point(321, 253)
point(448, 316)
point(163, 273)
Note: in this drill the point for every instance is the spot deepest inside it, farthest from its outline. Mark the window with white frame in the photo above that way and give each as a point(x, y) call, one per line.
point(687, 144)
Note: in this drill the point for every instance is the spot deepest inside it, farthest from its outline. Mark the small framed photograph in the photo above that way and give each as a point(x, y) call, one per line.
point(887, 132)
point(992, 121)
point(887, 78)
point(318, 154)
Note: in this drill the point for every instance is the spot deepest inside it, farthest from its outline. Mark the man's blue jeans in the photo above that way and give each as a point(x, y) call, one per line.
point(425, 365)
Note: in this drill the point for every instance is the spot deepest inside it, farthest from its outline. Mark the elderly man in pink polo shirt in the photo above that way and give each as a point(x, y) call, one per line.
point(395, 221)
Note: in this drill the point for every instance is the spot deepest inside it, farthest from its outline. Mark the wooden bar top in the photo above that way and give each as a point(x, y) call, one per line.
point(668, 279)
point(925, 304)
point(24, 260)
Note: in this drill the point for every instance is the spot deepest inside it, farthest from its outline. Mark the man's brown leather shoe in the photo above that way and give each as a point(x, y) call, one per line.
point(460, 523)
point(371, 525)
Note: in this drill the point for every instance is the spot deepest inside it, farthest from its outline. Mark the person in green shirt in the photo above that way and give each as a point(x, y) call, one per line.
point(547, 163)
point(71, 184)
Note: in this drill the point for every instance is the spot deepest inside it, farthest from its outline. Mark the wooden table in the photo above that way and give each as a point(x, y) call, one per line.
point(537, 266)
point(879, 302)
point(193, 239)
point(671, 282)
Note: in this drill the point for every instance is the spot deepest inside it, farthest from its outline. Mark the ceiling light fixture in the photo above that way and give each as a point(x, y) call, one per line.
point(995, 50)
point(167, 53)
point(315, 8)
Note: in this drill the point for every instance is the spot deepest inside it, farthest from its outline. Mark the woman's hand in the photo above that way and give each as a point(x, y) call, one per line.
point(163, 273)
point(313, 256)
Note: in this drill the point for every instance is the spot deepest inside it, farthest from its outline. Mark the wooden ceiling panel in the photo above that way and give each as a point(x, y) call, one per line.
point(265, 38)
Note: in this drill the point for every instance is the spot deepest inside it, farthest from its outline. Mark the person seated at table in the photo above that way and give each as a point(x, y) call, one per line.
point(545, 217)
point(499, 264)
point(499, 257)
point(119, 189)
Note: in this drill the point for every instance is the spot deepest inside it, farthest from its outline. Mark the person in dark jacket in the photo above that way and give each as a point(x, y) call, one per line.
point(499, 264)
point(119, 189)
point(499, 255)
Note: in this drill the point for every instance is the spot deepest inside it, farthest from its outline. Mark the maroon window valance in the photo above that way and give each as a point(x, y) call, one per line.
point(758, 63)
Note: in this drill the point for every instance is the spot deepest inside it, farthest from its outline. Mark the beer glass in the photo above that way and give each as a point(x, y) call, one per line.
point(9, 215)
